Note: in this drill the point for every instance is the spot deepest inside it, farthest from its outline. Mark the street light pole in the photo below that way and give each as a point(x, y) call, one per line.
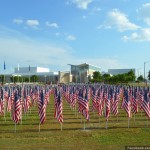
point(144, 71)
point(144, 68)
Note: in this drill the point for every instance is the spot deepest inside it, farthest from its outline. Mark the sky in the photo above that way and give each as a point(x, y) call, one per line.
point(110, 34)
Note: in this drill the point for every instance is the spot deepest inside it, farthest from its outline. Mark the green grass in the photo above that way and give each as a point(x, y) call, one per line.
point(73, 136)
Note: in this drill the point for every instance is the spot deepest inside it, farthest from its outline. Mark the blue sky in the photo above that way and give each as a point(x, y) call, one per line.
point(54, 33)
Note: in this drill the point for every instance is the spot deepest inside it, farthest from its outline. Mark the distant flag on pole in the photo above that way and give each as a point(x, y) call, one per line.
point(4, 65)
point(29, 67)
point(18, 67)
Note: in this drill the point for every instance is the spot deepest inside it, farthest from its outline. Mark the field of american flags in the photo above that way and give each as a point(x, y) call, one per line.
point(75, 134)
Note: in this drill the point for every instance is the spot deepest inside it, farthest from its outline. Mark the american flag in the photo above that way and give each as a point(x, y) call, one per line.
point(71, 96)
point(145, 106)
point(33, 97)
point(55, 102)
point(140, 97)
point(134, 101)
point(94, 99)
point(126, 102)
point(83, 104)
point(16, 115)
point(58, 106)
point(112, 97)
point(100, 102)
point(42, 107)
point(9, 102)
point(74, 98)
point(2, 101)
point(107, 104)
point(116, 101)
point(26, 101)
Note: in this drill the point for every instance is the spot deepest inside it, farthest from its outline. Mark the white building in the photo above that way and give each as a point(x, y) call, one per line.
point(44, 74)
point(31, 70)
point(120, 71)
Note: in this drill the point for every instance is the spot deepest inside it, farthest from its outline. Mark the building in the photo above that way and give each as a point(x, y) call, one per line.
point(43, 74)
point(83, 72)
point(119, 71)
point(31, 70)
point(64, 77)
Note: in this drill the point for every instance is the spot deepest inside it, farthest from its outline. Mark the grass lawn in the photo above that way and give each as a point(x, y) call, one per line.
point(73, 136)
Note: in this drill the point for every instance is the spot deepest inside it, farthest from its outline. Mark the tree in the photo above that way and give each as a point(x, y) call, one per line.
point(140, 78)
point(15, 79)
point(2, 78)
point(131, 76)
point(34, 78)
point(106, 77)
point(97, 77)
point(123, 78)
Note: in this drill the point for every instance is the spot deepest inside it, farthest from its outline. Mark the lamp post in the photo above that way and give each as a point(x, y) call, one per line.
point(144, 68)
point(29, 73)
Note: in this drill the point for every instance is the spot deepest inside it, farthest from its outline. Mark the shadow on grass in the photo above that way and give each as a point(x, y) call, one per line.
point(87, 128)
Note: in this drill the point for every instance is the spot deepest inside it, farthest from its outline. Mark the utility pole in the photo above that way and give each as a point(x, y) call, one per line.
point(144, 69)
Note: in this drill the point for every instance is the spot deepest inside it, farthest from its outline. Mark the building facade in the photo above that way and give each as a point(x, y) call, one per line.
point(43, 74)
point(120, 71)
point(64, 77)
point(83, 72)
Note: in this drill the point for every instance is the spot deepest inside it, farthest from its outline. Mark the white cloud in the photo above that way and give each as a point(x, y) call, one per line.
point(144, 13)
point(33, 23)
point(141, 36)
point(53, 25)
point(27, 51)
point(23, 49)
point(118, 20)
point(18, 21)
point(71, 38)
point(95, 10)
point(147, 21)
point(82, 4)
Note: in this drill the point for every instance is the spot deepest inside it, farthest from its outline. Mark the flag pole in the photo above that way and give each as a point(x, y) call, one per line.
point(81, 117)
point(39, 127)
point(4, 106)
point(117, 117)
point(128, 122)
point(134, 117)
point(141, 113)
point(15, 127)
point(4, 110)
point(21, 110)
point(84, 123)
point(75, 109)
point(29, 73)
point(99, 121)
point(106, 124)
point(18, 73)
point(61, 126)
point(4, 70)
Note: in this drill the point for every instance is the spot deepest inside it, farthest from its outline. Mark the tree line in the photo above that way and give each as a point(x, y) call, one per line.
point(119, 78)
point(33, 78)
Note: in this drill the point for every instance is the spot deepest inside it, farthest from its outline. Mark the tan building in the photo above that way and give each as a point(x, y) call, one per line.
point(64, 77)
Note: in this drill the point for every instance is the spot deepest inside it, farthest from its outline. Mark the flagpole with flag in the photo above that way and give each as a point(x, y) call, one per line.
point(18, 72)
point(29, 73)
point(4, 70)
